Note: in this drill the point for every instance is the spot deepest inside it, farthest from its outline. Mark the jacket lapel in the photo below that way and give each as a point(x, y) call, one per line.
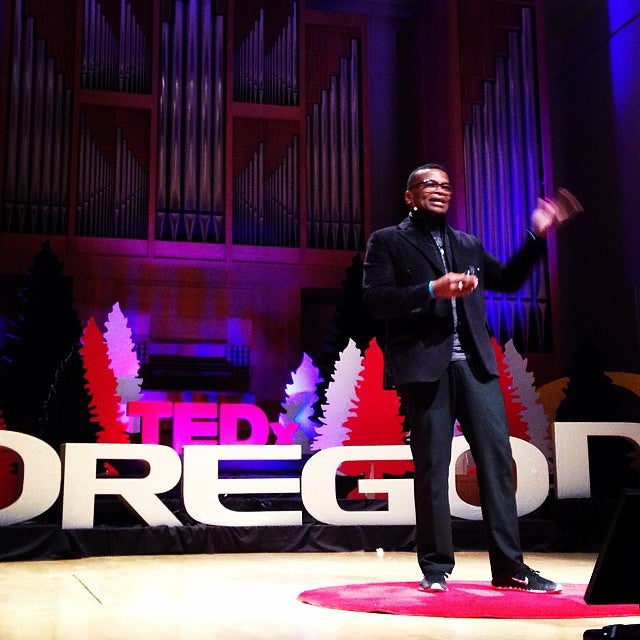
point(451, 248)
point(460, 258)
point(423, 244)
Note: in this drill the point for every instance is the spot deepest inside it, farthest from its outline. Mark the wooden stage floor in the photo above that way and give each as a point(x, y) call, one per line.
point(249, 596)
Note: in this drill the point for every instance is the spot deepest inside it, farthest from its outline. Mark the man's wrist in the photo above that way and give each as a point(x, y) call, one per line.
point(431, 292)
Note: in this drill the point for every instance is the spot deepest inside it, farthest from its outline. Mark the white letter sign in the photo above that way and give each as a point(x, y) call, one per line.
point(81, 485)
point(572, 452)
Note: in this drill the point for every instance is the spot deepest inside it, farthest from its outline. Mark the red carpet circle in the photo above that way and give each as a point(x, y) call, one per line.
point(462, 600)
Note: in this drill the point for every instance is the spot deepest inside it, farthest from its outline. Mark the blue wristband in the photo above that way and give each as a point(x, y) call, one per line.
point(431, 289)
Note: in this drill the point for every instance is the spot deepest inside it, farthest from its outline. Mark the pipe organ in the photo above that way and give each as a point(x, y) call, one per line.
point(503, 179)
point(191, 121)
point(39, 133)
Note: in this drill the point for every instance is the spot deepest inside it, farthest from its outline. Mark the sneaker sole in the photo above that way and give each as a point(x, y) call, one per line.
point(558, 589)
point(434, 588)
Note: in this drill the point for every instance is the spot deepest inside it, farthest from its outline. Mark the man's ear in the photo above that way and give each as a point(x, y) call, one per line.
point(407, 198)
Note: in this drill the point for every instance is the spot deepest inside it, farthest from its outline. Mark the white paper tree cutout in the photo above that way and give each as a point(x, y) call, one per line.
point(124, 363)
point(341, 399)
point(524, 383)
point(299, 402)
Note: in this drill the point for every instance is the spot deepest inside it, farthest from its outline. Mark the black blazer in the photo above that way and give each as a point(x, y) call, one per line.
point(399, 263)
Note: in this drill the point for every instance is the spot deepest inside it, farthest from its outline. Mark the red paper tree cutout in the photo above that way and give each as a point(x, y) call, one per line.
point(377, 421)
point(102, 385)
point(518, 427)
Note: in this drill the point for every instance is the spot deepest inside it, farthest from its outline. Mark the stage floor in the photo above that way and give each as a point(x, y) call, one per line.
point(249, 596)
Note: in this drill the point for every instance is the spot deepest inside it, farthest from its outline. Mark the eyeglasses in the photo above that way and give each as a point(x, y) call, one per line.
point(433, 185)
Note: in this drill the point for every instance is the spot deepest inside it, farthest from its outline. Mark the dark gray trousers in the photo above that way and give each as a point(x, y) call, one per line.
point(431, 410)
